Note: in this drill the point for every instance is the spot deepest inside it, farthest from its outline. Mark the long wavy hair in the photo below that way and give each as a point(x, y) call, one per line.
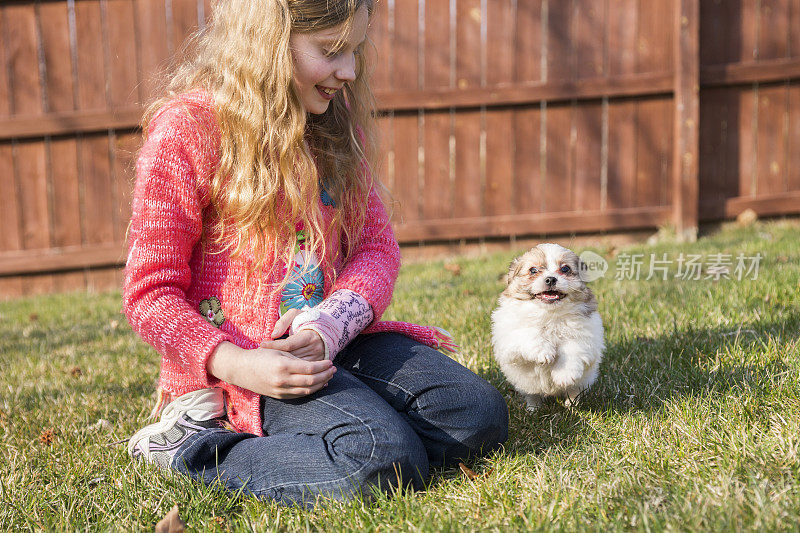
point(274, 157)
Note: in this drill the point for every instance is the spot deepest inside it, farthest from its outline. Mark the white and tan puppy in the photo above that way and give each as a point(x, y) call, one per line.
point(546, 331)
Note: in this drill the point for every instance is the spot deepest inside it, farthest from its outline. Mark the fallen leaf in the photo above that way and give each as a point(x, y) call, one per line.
point(747, 217)
point(171, 523)
point(33, 317)
point(471, 475)
point(453, 268)
point(76, 371)
point(47, 437)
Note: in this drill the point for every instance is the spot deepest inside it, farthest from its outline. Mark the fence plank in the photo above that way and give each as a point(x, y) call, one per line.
point(528, 41)
point(124, 87)
point(793, 159)
point(747, 22)
point(469, 165)
point(62, 151)
point(746, 103)
point(126, 146)
point(184, 24)
point(436, 192)
point(95, 168)
point(468, 43)
point(527, 160)
point(29, 156)
point(686, 116)
point(653, 152)
point(590, 32)
point(771, 140)
point(560, 41)
point(379, 58)
point(773, 34)
point(794, 28)
point(500, 180)
point(655, 43)
point(715, 166)
point(622, 27)
point(622, 135)
point(558, 186)
point(540, 223)
point(588, 130)
point(406, 127)
point(10, 238)
point(151, 24)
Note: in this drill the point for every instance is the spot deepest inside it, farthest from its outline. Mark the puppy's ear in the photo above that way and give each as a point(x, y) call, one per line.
point(513, 269)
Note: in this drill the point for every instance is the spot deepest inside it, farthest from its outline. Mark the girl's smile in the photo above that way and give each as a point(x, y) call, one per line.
point(324, 61)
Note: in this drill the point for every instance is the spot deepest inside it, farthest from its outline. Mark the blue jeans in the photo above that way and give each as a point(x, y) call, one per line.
point(393, 409)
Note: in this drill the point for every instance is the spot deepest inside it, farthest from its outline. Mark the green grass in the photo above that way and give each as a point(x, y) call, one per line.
point(694, 423)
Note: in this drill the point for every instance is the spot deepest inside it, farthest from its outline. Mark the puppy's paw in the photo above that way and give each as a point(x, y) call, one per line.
point(573, 397)
point(563, 377)
point(533, 402)
point(543, 356)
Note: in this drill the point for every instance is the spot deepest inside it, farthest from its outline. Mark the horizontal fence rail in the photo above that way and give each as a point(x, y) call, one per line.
point(501, 118)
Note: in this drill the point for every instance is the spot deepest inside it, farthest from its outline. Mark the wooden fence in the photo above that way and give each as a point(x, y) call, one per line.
point(498, 117)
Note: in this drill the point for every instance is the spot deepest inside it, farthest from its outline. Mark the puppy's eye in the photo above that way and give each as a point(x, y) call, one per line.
point(533, 270)
point(566, 269)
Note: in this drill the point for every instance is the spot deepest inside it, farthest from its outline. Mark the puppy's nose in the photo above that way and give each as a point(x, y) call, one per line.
point(550, 281)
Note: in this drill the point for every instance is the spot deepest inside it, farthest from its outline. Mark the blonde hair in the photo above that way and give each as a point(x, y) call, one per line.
point(273, 156)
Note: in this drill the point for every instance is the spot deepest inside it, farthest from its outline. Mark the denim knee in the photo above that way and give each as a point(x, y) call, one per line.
point(484, 422)
point(399, 459)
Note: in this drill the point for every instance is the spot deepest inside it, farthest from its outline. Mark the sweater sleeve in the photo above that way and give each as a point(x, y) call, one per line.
point(172, 175)
point(372, 269)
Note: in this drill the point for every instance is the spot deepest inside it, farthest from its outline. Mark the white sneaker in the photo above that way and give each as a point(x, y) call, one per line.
point(186, 415)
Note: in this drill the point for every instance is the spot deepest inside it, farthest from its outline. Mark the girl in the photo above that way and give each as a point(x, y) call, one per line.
point(261, 261)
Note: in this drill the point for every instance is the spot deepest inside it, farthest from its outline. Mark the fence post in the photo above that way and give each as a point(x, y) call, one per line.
point(685, 178)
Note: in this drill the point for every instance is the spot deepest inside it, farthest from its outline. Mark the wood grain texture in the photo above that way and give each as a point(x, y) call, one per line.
point(772, 140)
point(588, 156)
point(436, 189)
point(558, 193)
point(124, 68)
point(793, 152)
point(527, 160)
point(26, 95)
point(528, 41)
point(499, 124)
point(622, 153)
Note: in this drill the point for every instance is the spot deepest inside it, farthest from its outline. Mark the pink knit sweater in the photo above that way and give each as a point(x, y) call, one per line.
point(184, 302)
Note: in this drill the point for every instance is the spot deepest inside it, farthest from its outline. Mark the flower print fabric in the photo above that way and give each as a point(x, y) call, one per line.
point(307, 282)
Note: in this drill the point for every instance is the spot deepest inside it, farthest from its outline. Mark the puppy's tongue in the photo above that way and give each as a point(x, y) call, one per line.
point(550, 296)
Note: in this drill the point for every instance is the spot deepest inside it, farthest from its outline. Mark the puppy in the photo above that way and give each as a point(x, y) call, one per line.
point(546, 331)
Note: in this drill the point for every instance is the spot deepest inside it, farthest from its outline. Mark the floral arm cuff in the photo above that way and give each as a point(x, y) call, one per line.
point(337, 320)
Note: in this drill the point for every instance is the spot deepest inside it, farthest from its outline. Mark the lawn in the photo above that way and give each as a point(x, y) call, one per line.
point(694, 423)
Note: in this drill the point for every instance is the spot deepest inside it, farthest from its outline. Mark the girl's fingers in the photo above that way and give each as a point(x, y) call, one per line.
point(306, 367)
point(306, 380)
point(284, 322)
point(299, 392)
point(299, 344)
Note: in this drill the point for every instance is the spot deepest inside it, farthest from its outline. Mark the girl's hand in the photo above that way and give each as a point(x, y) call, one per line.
point(305, 344)
point(283, 323)
point(269, 372)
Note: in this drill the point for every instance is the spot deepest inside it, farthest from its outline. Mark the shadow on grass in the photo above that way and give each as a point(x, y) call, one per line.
point(642, 374)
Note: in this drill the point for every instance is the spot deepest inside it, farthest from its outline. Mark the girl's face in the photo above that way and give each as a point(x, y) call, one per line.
point(320, 71)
